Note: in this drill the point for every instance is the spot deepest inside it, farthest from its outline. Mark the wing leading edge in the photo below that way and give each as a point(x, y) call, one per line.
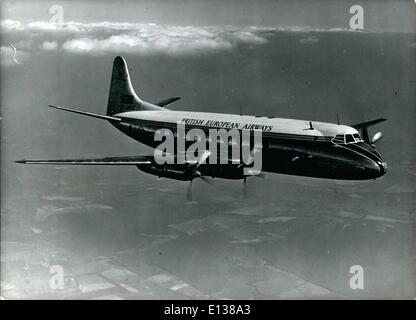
point(112, 161)
point(89, 114)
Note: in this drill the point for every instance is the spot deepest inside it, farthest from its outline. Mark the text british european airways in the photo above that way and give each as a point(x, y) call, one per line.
point(226, 124)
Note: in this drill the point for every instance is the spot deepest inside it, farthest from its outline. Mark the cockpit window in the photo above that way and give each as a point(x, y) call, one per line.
point(357, 137)
point(349, 138)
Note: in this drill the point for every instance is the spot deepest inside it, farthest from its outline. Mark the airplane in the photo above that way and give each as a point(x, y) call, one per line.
point(288, 146)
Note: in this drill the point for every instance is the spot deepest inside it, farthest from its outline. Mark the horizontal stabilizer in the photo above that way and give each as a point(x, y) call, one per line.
point(117, 161)
point(89, 114)
point(167, 101)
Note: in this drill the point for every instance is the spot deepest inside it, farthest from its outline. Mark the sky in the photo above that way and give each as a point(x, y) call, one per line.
point(179, 27)
point(289, 59)
point(386, 15)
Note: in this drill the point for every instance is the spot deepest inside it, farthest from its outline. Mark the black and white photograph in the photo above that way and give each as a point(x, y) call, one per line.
point(208, 150)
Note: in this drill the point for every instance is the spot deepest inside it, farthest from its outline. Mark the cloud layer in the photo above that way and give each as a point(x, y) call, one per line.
point(137, 38)
point(104, 37)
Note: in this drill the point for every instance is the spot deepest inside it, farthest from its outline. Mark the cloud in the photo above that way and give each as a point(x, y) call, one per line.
point(169, 40)
point(50, 45)
point(11, 25)
point(133, 38)
point(166, 42)
point(142, 39)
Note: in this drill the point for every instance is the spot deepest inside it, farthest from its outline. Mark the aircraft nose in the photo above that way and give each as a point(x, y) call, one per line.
point(383, 167)
point(376, 169)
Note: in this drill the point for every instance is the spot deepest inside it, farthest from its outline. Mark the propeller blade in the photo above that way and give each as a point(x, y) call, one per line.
point(250, 159)
point(189, 191)
point(261, 175)
point(189, 194)
point(376, 137)
point(255, 173)
point(203, 158)
point(245, 188)
point(206, 179)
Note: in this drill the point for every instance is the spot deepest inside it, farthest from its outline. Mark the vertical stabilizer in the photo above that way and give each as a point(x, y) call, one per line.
point(122, 97)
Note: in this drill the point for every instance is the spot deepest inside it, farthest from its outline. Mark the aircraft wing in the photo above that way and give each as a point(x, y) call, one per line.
point(89, 114)
point(364, 128)
point(112, 161)
point(368, 123)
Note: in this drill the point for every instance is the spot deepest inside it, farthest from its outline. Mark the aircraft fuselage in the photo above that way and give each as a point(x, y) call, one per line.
point(289, 146)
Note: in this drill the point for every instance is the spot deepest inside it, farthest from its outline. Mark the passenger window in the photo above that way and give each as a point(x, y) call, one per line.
point(349, 138)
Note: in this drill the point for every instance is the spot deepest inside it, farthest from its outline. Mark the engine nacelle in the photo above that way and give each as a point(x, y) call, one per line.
point(183, 173)
point(187, 173)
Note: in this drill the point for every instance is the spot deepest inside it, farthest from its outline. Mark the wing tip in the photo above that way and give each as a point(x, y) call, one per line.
point(55, 107)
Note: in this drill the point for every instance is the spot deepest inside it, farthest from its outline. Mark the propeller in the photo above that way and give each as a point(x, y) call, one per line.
point(206, 179)
point(259, 175)
point(255, 173)
point(249, 171)
point(203, 158)
point(197, 174)
point(376, 137)
point(189, 195)
point(245, 188)
point(250, 157)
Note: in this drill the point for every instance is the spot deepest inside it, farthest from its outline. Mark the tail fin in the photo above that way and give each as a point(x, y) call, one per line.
point(122, 97)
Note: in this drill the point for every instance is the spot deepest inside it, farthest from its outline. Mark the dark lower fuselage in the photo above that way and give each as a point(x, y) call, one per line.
point(281, 153)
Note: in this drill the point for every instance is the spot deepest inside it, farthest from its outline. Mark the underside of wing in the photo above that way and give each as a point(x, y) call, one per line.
point(117, 161)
